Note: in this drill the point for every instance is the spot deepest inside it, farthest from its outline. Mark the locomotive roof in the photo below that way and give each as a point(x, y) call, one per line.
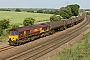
point(29, 27)
point(25, 27)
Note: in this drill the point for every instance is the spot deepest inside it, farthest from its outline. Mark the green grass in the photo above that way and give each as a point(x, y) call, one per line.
point(79, 51)
point(18, 17)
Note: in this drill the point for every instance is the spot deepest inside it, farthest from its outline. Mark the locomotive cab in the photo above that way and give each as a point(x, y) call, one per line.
point(13, 36)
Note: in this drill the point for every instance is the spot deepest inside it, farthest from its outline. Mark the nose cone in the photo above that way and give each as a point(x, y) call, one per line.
point(13, 38)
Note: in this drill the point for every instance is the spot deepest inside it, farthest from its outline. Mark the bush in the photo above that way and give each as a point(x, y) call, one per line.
point(28, 21)
point(4, 24)
point(55, 18)
point(88, 13)
point(1, 31)
point(17, 10)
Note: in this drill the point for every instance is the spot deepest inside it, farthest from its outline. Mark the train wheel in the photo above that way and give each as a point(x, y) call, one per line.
point(11, 44)
point(47, 34)
point(62, 28)
point(65, 28)
point(32, 38)
point(18, 43)
point(42, 35)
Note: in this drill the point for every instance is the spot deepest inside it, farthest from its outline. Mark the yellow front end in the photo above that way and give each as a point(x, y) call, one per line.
point(13, 38)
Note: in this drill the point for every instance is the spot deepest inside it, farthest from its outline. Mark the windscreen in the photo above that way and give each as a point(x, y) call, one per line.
point(13, 33)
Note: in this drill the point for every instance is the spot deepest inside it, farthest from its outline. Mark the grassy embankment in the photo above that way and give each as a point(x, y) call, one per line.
point(3, 40)
point(79, 51)
point(18, 17)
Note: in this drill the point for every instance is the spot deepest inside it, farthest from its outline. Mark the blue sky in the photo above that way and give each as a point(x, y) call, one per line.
point(42, 3)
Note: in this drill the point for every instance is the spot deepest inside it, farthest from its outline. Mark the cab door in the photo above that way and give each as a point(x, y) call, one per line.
point(21, 34)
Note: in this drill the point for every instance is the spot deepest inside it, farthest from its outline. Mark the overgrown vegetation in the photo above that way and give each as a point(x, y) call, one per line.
point(79, 51)
point(68, 11)
point(28, 21)
point(0, 39)
point(74, 9)
point(4, 24)
point(17, 10)
point(88, 13)
point(5, 9)
point(65, 12)
point(55, 18)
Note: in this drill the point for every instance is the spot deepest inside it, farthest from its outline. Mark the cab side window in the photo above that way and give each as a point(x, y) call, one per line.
point(11, 33)
point(27, 32)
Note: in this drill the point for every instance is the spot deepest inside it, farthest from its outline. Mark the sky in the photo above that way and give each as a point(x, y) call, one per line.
point(56, 4)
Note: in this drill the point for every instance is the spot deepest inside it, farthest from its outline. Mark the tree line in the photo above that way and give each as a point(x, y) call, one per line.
point(63, 13)
point(66, 12)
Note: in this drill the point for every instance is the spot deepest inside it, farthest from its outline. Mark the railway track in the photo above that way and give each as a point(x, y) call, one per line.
point(7, 47)
point(43, 49)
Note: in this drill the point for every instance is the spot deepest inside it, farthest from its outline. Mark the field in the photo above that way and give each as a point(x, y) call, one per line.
point(79, 51)
point(18, 17)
